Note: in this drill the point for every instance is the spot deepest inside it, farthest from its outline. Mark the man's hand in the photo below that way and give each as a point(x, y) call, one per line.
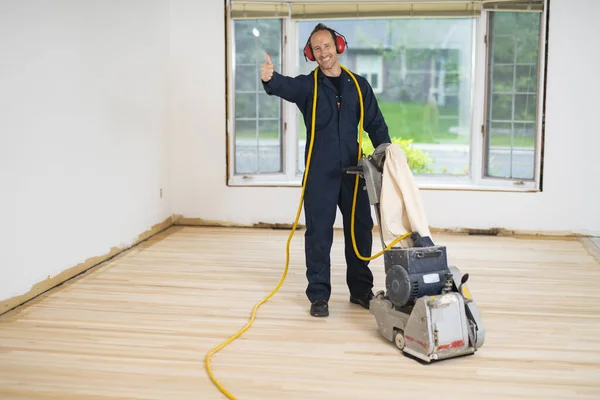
point(266, 71)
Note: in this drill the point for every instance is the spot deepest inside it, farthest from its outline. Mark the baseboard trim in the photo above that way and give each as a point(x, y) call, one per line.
point(507, 232)
point(52, 282)
point(180, 220)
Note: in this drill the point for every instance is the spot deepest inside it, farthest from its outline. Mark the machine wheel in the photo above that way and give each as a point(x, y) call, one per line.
point(399, 338)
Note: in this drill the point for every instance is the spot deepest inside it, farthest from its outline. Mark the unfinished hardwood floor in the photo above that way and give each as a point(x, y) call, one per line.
point(139, 326)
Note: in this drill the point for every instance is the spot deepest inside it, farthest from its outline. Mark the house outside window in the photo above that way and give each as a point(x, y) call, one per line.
point(371, 68)
point(460, 94)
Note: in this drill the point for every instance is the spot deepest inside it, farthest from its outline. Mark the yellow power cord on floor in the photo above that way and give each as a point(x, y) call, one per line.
point(287, 249)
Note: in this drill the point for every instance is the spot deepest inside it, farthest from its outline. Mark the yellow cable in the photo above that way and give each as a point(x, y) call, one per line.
point(360, 135)
point(287, 256)
point(299, 210)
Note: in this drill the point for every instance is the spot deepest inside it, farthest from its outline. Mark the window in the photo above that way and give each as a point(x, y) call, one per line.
point(460, 91)
point(257, 123)
point(513, 63)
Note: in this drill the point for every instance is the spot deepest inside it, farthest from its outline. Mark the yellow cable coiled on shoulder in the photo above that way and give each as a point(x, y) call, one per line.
point(298, 212)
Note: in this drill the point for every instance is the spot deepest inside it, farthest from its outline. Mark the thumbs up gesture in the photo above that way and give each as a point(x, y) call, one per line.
point(266, 71)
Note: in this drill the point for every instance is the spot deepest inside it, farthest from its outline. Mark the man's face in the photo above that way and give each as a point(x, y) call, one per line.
point(324, 49)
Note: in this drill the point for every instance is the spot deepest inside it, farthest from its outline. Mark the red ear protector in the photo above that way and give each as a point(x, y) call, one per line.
point(340, 45)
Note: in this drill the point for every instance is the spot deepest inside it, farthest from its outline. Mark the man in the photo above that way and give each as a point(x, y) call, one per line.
point(335, 148)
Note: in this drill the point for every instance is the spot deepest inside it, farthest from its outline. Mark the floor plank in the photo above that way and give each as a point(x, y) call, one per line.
point(140, 326)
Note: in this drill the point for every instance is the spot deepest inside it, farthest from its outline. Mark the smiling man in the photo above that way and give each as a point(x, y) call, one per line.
point(335, 147)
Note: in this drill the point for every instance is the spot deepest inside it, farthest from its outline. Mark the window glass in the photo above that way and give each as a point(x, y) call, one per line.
point(512, 94)
point(258, 136)
point(420, 70)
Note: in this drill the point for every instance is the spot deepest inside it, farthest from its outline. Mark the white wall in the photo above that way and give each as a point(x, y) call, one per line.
point(570, 201)
point(84, 148)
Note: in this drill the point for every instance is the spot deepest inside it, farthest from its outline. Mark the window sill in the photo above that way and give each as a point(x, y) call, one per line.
point(424, 183)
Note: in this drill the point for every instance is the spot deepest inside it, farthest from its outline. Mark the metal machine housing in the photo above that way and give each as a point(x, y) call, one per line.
point(426, 309)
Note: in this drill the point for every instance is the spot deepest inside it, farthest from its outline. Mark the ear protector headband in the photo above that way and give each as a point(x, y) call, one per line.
point(340, 45)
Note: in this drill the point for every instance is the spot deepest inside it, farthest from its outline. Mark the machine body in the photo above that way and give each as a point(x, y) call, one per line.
point(426, 308)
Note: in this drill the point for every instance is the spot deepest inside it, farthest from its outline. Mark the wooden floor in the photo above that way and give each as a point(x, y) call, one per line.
point(140, 326)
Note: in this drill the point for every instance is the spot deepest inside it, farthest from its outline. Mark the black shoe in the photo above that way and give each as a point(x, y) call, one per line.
point(319, 308)
point(362, 301)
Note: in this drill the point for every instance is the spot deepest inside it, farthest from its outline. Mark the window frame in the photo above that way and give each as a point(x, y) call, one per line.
point(243, 179)
point(474, 181)
point(526, 184)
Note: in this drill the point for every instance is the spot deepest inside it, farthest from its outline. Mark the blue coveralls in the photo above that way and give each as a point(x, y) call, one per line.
point(328, 186)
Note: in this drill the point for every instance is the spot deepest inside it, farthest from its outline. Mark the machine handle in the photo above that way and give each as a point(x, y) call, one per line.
point(429, 254)
point(354, 170)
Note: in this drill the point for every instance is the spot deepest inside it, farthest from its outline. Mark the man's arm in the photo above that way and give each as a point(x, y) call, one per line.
point(374, 122)
point(291, 89)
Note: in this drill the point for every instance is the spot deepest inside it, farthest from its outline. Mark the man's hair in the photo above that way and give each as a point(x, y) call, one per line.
point(321, 27)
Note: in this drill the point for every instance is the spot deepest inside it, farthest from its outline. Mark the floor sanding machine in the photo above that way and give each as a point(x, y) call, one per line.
point(426, 308)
